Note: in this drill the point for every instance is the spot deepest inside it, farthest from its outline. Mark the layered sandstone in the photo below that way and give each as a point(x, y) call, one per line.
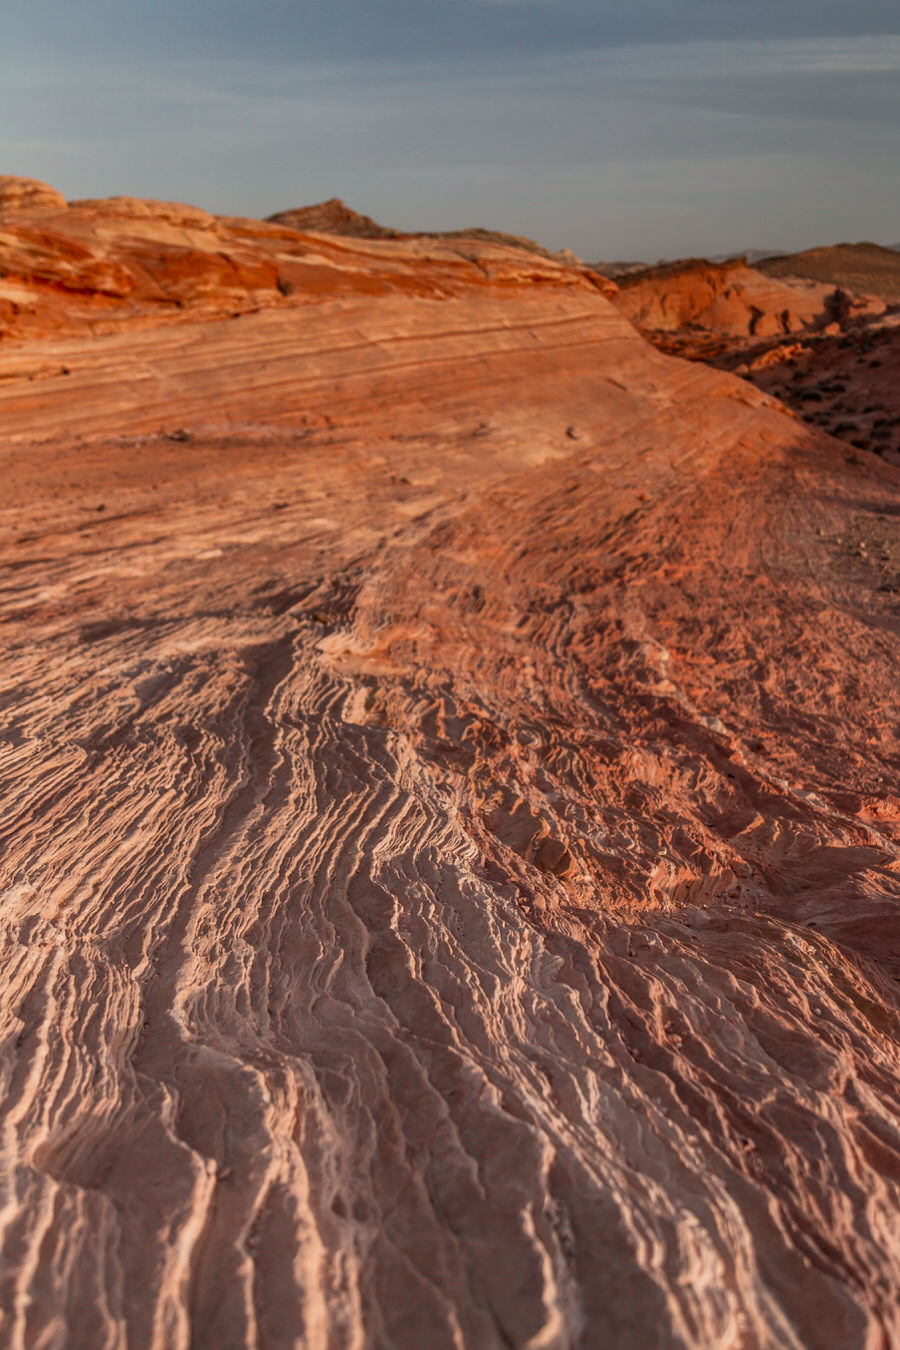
point(28, 194)
point(699, 309)
point(103, 266)
point(451, 843)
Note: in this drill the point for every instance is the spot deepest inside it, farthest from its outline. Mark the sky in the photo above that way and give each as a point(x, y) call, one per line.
point(622, 129)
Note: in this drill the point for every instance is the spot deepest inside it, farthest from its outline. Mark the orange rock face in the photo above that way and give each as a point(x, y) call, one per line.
point(699, 308)
point(28, 194)
point(451, 842)
point(101, 267)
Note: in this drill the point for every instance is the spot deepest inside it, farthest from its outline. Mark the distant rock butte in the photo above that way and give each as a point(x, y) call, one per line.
point(449, 811)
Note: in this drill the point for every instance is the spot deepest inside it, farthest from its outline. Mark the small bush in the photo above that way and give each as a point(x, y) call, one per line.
point(837, 306)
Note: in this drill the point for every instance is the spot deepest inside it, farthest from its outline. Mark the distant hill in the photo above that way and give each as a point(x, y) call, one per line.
point(868, 269)
point(335, 217)
point(614, 270)
point(749, 255)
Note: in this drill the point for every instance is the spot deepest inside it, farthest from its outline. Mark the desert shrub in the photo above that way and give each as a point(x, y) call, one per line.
point(837, 306)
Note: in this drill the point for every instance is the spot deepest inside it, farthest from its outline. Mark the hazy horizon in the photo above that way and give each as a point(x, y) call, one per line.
point(698, 127)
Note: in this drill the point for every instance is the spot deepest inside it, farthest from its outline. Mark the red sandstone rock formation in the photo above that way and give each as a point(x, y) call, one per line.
point(700, 308)
point(102, 267)
point(451, 840)
point(27, 194)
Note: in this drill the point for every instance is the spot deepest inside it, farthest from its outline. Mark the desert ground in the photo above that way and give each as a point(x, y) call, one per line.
point(451, 826)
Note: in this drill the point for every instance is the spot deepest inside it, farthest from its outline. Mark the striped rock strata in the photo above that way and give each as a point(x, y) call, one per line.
point(451, 840)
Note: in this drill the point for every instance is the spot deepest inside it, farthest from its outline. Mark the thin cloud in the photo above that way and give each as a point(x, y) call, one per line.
point(649, 150)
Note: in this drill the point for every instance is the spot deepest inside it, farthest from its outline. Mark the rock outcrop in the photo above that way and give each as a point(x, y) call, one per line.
point(726, 300)
point(700, 309)
point(103, 266)
point(28, 194)
point(333, 217)
point(450, 846)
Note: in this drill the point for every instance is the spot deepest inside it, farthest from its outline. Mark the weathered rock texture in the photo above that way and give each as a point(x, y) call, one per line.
point(449, 863)
point(699, 309)
point(729, 298)
point(25, 194)
point(102, 267)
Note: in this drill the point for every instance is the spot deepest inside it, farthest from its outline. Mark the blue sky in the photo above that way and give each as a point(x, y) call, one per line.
point(639, 129)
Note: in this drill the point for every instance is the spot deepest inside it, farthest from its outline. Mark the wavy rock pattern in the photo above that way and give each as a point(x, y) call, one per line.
point(450, 857)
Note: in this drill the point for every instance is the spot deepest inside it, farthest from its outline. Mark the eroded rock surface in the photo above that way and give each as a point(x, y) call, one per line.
point(701, 309)
point(102, 267)
point(449, 866)
point(26, 194)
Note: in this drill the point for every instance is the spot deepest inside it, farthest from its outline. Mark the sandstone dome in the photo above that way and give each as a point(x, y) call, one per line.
point(17, 194)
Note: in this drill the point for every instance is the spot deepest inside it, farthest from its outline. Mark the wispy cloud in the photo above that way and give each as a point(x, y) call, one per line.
point(650, 149)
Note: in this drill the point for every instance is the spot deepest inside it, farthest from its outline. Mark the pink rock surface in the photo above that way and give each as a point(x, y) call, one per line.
point(451, 840)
